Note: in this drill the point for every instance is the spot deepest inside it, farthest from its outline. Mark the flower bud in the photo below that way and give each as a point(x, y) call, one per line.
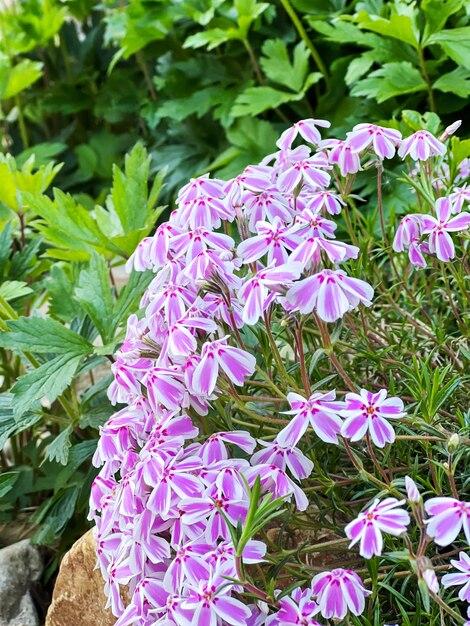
point(412, 490)
point(450, 130)
point(453, 443)
point(430, 578)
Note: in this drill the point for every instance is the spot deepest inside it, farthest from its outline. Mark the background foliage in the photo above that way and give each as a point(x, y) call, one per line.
point(208, 84)
point(205, 85)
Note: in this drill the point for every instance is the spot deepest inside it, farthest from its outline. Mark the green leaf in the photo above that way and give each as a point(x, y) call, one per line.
point(18, 77)
point(42, 153)
point(340, 31)
point(457, 81)
point(251, 140)
point(358, 67)
point(255, 100)
point(10, 424)
point(7, 482)
point(137, 24)
point(77, 455)
point(17, 181)
point(43, 335)
point(424, 592)
point(278, 67)
point(68, 226)
point(55, 514)
point(129, 297)
point(60, 286)
point(393, 79)
point(398, 26)
point(13, 289)
point(455, 43)
point(198, 103)
point(438, 11)
point(58, 449)
point(129, 193)
point(246, 13)
point(6, 240)
point(460, 149)
point(49, 380)
point(429, 121)
point(94, 295)
point(211, 38)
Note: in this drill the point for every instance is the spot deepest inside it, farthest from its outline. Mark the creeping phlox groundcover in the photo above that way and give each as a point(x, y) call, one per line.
point(178, 510)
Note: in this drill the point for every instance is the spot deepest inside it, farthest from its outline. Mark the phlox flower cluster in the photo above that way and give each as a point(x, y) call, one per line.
point(232, 254)
point(423, 234)
point(441, 519)
point(429, 234)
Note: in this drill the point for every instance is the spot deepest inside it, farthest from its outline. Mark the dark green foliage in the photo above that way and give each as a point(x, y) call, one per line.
point(203, 82)
point(62, 315)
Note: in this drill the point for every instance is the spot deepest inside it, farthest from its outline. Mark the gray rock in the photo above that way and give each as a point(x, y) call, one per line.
point(20, 566)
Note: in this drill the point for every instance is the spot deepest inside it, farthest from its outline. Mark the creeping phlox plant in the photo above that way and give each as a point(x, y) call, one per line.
point(180, 509)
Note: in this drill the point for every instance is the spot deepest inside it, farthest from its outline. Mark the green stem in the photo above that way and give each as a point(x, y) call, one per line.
point(305, 38)
point(263, 419)
point(303, 367)
point(458, 618)
point(21, 124)
point(427, 80)
point(364, 474)
point(375, 460)
point(328, 347)
point(318, 547)
point(283, 373)
point(349, 226)
point(380, 205)
point(253, 60)
point(148, 79)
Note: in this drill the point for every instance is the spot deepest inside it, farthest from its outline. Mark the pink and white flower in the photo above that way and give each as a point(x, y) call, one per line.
point(368, 412)
point(342, 155)
point(214, 448)
point(378, 518)
point(309, 252)
point(208, 599)
point(265, 206)
point(284, 457)
point(339, 591)
point(332, 293)
point(203, 186)
point(383, 141)
point(408, 231)
point(307, 129)
point(272, 239)
point(277, 482)
point(420, 146)
point(296, 609)
point(416, 253)
point(310, 171)
point(324, 199)
point(212, 508)
point(459, 197)
point(236, 364)
point(440, 242)
point(448, 516)
point(461, 577)
point(259, 291)
point(321, 411)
